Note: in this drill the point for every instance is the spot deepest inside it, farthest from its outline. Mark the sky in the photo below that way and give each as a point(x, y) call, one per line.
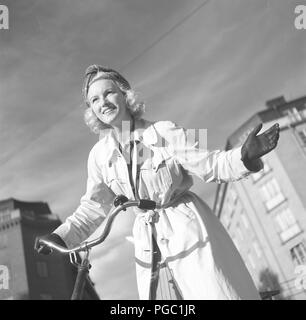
point(202, 64)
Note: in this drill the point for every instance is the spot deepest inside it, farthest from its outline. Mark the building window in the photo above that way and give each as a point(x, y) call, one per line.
point(298, 253)
point(244, 219)
point(228, 209)
point(226, 220)
point(239, 232)
point(271, 194)
point(251, 260)
point(3, 240)
point(257, 249)
point(42, 269)
point(233, 195)
point(231, 202)
point(302, 136)
point(287, 224)
point(294, 115)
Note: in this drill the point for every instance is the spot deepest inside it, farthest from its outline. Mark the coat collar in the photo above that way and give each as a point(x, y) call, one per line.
point(144, 132)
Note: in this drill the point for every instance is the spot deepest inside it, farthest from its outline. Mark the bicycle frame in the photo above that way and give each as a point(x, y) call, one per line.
point(120, 203)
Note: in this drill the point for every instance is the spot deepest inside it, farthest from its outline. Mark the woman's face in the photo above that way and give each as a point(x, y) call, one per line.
point(107, 102)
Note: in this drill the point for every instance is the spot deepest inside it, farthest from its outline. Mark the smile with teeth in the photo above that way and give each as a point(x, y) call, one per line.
point(108, 109)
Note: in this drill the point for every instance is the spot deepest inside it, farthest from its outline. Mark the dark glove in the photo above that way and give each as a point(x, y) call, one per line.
point(43, 248)
point(257, 146)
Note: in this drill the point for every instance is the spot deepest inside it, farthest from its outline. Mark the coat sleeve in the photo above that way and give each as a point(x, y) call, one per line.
point(210, 166)
point(94, 206)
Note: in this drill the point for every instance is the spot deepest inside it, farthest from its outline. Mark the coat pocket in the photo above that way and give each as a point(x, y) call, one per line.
point(157, 175)
point(163, 171)
point(113, 179)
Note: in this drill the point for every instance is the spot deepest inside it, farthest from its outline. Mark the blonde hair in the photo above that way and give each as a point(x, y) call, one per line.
point(135, 107)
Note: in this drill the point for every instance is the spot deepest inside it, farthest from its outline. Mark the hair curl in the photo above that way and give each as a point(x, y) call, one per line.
point(135, 107)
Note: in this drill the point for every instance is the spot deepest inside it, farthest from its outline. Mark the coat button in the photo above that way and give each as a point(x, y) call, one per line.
point(164, 241)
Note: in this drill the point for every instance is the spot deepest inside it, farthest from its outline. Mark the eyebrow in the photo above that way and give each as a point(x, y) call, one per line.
point(106, 90)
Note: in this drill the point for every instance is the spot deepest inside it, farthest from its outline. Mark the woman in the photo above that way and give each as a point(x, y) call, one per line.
point(182, 251)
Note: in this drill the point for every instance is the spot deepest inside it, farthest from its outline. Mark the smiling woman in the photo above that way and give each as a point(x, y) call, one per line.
point(107, 101)
point(136, 108)
point(182, 250)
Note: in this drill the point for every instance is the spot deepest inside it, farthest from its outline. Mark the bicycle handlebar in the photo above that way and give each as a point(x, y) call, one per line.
point(121, 203)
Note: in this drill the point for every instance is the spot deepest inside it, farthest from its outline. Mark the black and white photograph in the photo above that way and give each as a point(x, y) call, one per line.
point(152, 150)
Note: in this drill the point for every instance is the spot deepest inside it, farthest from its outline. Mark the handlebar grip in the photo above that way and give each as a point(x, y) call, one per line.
point(120, 200)
point(147, 204)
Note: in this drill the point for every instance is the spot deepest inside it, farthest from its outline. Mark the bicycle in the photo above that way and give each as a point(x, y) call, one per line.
point(121, 203)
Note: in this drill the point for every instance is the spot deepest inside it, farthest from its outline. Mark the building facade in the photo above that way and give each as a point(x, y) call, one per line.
point(265, 214)
point(32, 276)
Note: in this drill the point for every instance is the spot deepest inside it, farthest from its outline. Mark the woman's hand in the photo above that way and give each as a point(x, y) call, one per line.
point(257, 146)
point(41, 248)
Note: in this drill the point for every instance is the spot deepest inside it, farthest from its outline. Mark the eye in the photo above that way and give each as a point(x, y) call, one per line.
point(94, 100)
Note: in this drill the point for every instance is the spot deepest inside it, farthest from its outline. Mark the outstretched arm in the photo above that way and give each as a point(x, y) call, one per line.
point(216, 166)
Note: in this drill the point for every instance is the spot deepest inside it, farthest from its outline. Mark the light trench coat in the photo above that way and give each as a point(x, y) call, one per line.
point(198, 250)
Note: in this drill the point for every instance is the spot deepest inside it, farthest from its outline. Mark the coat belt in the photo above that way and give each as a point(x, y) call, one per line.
point(149, 217)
